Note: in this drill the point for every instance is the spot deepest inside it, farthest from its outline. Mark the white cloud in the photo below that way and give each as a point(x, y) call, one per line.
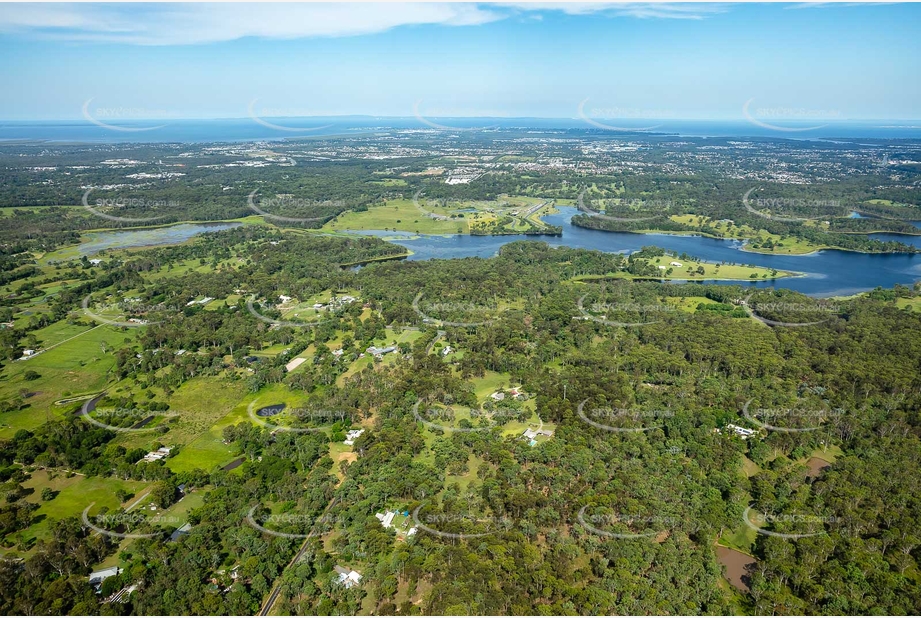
point(662, 10)
point(186, 24)
point(189, 24)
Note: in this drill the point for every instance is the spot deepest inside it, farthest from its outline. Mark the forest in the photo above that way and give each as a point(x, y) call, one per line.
point(666, 494)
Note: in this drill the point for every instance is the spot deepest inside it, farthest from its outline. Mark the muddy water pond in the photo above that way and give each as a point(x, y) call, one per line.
point(737, 566)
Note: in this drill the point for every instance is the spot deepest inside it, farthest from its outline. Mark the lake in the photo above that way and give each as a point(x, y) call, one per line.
point(827, 273)
point(167, 235)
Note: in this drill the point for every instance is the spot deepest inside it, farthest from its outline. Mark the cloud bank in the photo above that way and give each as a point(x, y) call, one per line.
point(195, 24)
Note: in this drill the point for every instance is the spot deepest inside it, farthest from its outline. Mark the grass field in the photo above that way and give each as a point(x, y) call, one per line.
point(688, 271)
point(80, 364)
point(199, 404)
point(911, 304)
point(687, 304)
point(73, 495)
point(400, 215)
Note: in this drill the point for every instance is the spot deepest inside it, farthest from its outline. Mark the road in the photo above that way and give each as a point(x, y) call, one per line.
point(25, 358)
point(276, 589)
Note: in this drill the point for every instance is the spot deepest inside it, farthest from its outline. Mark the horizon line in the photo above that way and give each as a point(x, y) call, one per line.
point(394, 117)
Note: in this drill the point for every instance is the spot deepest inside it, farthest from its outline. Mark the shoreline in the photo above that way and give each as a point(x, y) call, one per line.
point(744, 241)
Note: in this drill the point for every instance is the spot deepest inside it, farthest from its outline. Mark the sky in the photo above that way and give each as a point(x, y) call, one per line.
point(114, 62)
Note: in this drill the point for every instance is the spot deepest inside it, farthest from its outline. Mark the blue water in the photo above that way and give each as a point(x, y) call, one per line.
point(828, 273)
point(243, 129)
point(149, 237)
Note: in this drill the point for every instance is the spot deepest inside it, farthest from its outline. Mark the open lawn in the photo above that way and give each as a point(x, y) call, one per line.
point(400, 215)
point(81, 364)
point(72, 496)
point(198, 404)
point(688, 271)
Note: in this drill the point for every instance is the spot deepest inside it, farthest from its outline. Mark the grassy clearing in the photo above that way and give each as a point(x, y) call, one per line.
point(490, 382)
point(688, 271)
point(79, 365)
point(199, 404)
point(783, 245)
point(400, 215)
point(74, 494)
point(741, 539)
point(688, 304)
point(910, 304)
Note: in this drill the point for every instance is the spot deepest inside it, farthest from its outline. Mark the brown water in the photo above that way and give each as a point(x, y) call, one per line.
point(816, 466)
point(738, 567)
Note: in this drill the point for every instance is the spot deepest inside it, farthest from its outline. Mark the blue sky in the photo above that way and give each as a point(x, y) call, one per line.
point(473, 59)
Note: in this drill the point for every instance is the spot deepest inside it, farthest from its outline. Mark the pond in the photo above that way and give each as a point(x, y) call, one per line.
point(737, 566)
point(271, 410)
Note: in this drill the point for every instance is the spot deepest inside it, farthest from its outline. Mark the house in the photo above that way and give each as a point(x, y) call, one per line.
point(27, 353)
point(178, 532)
point(352, 435)
point(338, 353)
point(379, 352)
point(498, 396)
point(386, 519)
point(531, 434)
point(347, 577)
point(96, 262)
point(662, 267)
point(677, 264)
point(447, 350)
point(284, 298)
point(98, 577)
point(741, 431)
point(160, 453)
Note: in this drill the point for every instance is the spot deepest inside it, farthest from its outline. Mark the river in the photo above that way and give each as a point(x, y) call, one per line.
point(827, 273)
